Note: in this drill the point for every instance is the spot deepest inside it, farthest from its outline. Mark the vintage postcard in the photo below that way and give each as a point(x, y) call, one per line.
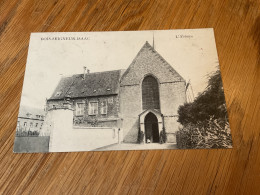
point(125, 90)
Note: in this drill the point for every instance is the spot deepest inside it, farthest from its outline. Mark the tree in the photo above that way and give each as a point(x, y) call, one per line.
point(204, 121)
point(210, 103)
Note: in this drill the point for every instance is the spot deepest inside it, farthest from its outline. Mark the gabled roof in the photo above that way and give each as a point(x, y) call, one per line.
point(147, 47)
point(94, 84)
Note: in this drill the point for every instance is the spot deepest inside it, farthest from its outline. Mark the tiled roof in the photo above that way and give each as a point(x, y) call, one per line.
point(94, 84)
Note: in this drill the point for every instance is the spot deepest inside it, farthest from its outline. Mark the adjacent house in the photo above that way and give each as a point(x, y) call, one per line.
point(30, 119)
point(143, 98)
point(94, 98)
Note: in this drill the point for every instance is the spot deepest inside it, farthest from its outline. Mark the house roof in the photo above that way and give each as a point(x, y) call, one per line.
point(94, 84)
point(29, 112)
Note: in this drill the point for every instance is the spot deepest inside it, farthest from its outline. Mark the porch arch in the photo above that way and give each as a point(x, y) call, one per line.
point(157, 114)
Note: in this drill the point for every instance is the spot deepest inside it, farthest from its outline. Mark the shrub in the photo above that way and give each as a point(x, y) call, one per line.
point(163, 136)
point(27, 133)
point(211, 134)
point(140, 138)
point(35, 133)
point(205, 121)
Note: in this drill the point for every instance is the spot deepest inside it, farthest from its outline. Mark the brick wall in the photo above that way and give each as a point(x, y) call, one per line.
point(130, 108)
point(146, 62)
point(171, 92)
point(99, 120)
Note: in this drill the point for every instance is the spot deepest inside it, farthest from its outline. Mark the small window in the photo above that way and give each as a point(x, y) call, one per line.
point(103, 108)
point(93, 108)
point(36, 124)
point(25, 124)
point(31, 124)
point(79, 109)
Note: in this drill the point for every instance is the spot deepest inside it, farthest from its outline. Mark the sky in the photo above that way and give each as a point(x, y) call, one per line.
point(191, 52)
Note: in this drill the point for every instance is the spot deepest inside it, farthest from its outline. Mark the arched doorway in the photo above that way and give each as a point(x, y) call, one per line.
point(151, 128)
point(150, 93)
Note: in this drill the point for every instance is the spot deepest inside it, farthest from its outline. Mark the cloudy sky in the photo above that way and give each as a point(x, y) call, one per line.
point(193, 56)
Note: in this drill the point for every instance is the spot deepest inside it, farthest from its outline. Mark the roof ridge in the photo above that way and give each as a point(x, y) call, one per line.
point(78, 74)
point(147, 45)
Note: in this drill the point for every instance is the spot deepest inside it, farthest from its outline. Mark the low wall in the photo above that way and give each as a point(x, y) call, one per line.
point(66, 138)
point(31, 144)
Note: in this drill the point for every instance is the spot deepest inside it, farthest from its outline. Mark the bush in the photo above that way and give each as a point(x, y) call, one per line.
point(163, 136)
point(205, 121)
point(205, 135)
point(140, 138)
point(27, 133)
point(186, 137)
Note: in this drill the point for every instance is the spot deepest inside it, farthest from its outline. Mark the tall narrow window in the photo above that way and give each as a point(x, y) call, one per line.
point(103, 108)
point(150, 93)
point(93, 108)
point(79, 108)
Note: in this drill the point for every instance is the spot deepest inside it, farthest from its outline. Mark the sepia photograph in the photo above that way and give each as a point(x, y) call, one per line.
point(122, 90)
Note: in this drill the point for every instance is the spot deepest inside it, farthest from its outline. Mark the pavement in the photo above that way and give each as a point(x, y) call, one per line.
point(130, 146)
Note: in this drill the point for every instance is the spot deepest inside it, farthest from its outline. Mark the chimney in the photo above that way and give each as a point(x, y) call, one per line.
point(84, 76)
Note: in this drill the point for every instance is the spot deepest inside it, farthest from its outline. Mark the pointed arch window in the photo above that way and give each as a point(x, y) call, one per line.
point(150, 93)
